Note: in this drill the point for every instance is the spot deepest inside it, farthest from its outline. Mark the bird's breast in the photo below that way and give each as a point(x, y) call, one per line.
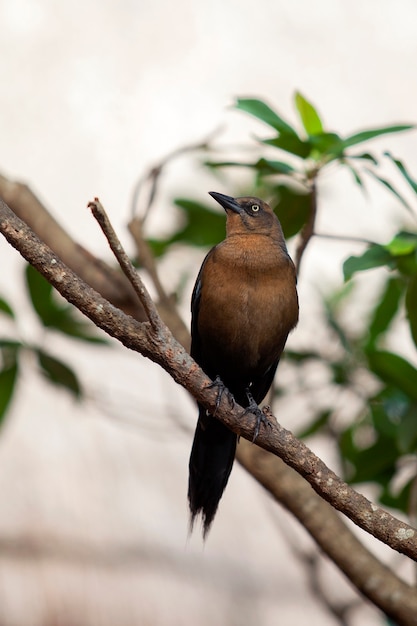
point(248, 306)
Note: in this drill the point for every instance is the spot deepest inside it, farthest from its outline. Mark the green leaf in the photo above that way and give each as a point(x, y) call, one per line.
point(386, 309)
point(390, 188)
point(388, 408)
point(11, 345)
point(411, 307)
point(332, 305)
point(325, 144)
point(401, 167)
point(266, 166)
point(358, 179)
point(399, 501)
point(203, 227)
point(217, 164)
point(403, 249)
point(54, 314)
point(58, 373)
point(66, 322)
point(394, 370)
point(365, 156)
point(308, 114)
point(6, 308)
point(342, 370)
point(402, 244)
point(293, 209)
point(263, 166)
point(374, 256)
point(316, 425)
point(301, 356)
point(8, 378)
point(40, 293)
point(263, 112)
point(290, 143)
point(372, 133)
point(158, 246)
point(374, 463)
point(407, 432)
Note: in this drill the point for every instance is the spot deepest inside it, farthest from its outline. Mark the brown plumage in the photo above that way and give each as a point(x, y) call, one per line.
point(244, 304)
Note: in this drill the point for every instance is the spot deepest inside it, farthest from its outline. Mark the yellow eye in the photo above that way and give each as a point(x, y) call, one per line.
point(255, 208)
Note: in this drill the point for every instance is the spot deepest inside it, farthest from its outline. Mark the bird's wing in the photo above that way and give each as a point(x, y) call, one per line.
point(195, 307)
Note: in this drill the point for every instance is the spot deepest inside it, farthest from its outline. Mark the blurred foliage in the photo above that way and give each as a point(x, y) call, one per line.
point(202, 227)
point(54, 314)
point(380, 439)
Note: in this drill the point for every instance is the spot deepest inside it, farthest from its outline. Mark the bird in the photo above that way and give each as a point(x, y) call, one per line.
point(243, 306)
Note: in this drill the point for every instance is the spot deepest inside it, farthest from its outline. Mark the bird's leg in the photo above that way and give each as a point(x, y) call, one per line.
point(255, 410)
point(221, 387)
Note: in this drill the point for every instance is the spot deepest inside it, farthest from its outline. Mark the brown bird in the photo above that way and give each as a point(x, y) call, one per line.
point(243, 306)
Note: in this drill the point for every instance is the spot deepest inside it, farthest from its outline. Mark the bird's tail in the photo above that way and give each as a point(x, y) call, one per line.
point(211, 462)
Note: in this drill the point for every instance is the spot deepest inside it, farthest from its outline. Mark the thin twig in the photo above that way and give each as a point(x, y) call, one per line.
point(106, 279)
point(153, 175)
point(136, 224)
point(166, 306)
point(100, 215)
point(146, 258)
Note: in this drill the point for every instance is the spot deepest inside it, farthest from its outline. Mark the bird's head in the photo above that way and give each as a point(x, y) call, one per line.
point(248, 215)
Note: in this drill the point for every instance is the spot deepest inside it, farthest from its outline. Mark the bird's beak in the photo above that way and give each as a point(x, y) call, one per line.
point(227, 202)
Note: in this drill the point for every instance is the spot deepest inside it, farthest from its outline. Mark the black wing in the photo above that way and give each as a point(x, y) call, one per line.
point(195, 307)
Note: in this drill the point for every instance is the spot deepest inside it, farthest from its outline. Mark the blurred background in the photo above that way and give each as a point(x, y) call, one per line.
point(93, 511)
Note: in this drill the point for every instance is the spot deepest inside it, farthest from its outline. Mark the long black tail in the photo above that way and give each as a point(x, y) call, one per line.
point(211, 462)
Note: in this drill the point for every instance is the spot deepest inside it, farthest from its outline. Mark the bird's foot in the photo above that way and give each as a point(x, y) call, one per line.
point(254, 409)
point(221, 387)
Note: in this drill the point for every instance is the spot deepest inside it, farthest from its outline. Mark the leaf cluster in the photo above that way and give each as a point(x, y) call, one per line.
point(54, 314)
point(290, 160)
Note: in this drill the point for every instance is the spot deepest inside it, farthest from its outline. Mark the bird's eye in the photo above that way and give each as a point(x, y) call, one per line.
point(255, 208)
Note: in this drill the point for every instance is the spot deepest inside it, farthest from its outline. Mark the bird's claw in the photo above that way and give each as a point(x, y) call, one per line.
point(221, 387)
point(261, 418)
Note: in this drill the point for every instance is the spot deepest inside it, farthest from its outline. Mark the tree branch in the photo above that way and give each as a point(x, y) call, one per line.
point(166, 305)
point(108, 281)
point(152, 177)
point(162, 348)
point(105, 279)
point(374, 580)
point(129, 271)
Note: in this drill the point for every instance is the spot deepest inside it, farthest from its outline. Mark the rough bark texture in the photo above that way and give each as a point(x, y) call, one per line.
point(374, 580)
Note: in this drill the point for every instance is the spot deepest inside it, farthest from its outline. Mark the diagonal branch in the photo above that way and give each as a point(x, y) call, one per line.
point(162, 348)
point(151, 178)
point(374, 580)
point(166, 305)
point(129, 271)
point(106, 279)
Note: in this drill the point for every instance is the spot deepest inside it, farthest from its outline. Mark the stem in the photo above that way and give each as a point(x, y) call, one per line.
point(100, 215)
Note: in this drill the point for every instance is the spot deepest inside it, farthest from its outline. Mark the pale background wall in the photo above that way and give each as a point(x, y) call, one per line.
point(92, 93)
